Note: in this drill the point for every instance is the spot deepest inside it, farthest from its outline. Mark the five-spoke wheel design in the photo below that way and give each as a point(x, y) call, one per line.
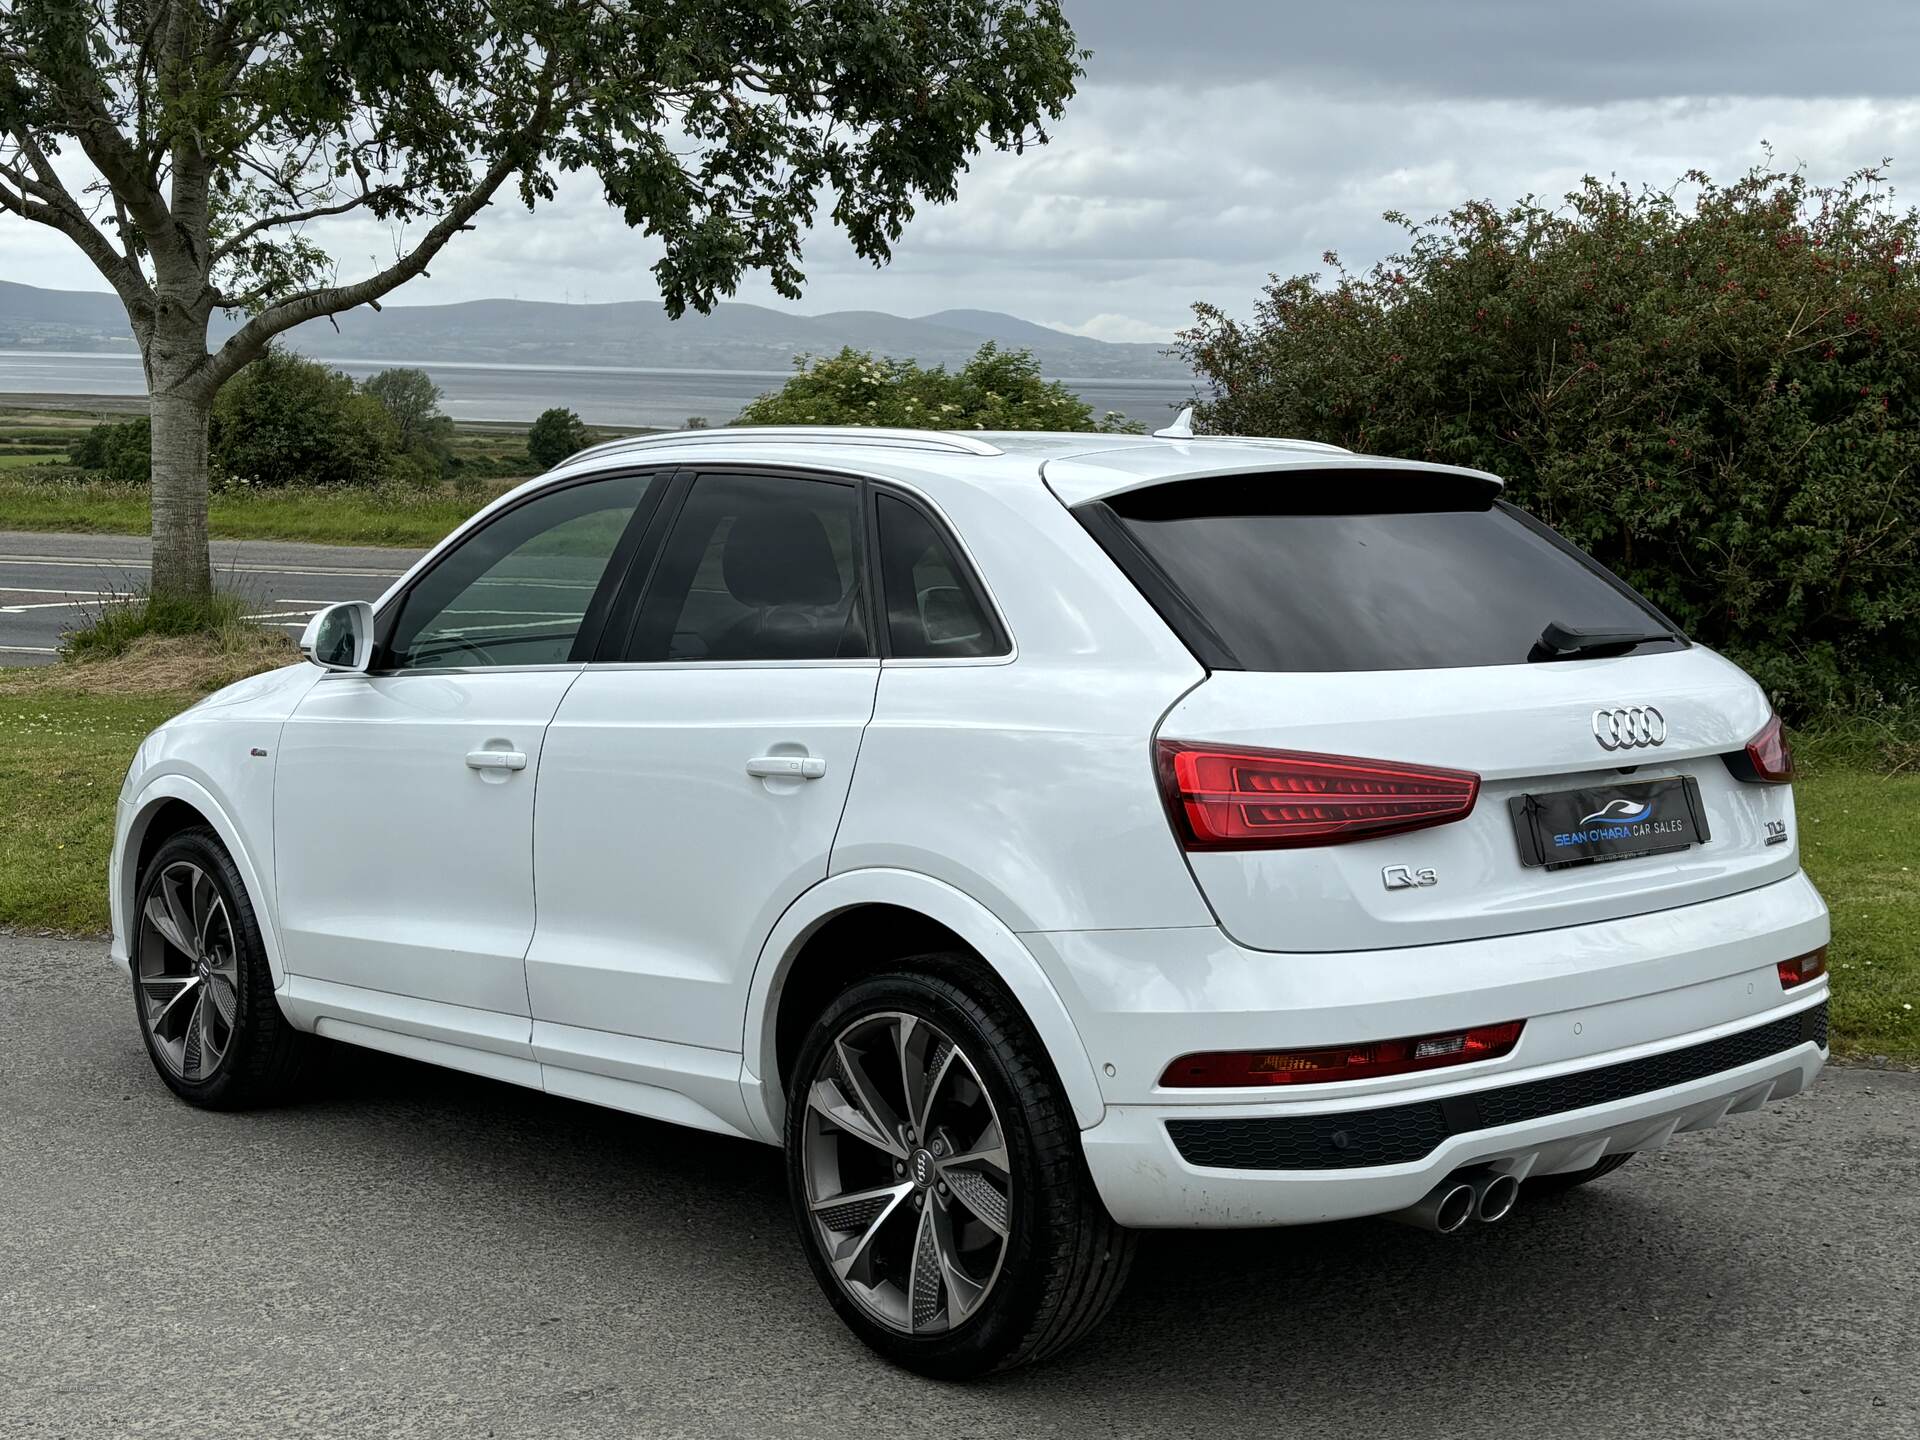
point(186, 968)
point(908, 1186)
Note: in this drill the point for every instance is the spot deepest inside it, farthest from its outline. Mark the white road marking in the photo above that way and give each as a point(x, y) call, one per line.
point(91, 563)
point(29, 649)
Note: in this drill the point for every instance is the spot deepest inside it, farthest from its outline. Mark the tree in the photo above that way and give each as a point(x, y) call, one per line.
point(554, 435)
point(286, 420)
point(413, 400)
point(188, 147)
point(995, 390)
point(1719, 397)
point(122, 450)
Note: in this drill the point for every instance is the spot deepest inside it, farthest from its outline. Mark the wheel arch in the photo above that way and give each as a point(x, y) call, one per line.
point(795, 973)
point(166, 806)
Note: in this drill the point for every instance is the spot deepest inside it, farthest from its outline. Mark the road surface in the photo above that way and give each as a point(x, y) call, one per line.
point(50, 584)
point(411, 1252)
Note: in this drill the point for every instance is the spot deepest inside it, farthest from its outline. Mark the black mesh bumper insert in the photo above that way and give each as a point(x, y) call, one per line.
point(1399, 1134)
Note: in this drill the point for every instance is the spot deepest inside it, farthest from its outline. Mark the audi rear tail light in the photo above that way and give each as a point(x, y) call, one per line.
point(1240, 1068)
point(1767, 760)
point(1250, 799)
point(1802, 968)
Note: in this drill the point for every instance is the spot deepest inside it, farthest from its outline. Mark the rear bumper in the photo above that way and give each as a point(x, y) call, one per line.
point(1636, 1030)
point(1146, 1181)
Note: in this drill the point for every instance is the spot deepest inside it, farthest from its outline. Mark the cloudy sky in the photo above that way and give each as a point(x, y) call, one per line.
point(1218, 140)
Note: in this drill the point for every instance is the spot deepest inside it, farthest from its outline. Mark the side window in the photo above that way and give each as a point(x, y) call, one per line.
point(516, 592)
point(932, 609)
point(757, 567)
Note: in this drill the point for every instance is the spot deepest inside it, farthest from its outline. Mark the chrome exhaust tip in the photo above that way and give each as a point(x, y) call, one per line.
point(1444, 1209)
point(1494, 1196)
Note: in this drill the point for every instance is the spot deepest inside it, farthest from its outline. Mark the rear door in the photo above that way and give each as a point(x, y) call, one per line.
point(692, 783)
point(1399, 616)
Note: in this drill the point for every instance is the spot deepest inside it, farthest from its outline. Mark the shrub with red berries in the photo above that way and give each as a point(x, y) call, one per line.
point(1715, 389)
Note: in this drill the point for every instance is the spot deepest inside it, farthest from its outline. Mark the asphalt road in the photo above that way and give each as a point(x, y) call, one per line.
point(50, 584)
point(412, 1252)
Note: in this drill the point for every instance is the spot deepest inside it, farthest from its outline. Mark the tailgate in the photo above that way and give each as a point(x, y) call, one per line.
point(1524, 730)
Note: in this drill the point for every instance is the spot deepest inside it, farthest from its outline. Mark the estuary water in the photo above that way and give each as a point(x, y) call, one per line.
point(601, 396)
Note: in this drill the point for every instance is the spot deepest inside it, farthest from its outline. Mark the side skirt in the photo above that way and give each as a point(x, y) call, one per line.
point(680, 1084)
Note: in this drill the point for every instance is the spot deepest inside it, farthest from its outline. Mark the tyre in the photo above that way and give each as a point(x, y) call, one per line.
point(937, 1180)
point(201, 985)
point(1556, 1184)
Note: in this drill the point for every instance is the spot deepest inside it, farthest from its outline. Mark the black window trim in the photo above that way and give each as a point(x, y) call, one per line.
point(616, 640)
point(966, 572)
point(592, 622)
point(1156, 587)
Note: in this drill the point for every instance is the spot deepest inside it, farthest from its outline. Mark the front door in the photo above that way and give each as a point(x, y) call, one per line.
point(403, 815)
point(690, 790)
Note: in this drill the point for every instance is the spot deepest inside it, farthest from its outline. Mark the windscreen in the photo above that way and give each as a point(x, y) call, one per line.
point(1397, 575)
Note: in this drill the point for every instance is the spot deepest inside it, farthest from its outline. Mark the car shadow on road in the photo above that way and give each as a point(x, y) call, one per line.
point(1658, 1272)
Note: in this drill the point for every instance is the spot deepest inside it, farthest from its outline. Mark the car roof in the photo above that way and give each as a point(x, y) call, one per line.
point(1077, 466)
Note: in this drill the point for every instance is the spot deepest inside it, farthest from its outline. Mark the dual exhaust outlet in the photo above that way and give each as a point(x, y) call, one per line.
point(1483, 1195)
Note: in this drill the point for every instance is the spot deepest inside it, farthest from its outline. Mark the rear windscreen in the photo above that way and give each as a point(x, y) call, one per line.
point(1359, 577)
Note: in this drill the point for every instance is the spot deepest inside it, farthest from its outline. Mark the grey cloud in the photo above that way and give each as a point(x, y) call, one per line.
point(1215, 155)
point(1553, 51)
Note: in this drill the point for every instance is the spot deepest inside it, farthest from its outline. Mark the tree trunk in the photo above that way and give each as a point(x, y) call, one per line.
point(181, 568)
point(181, 412)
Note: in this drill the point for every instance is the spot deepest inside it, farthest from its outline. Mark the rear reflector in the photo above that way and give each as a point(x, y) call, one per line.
point(1803, 968)
point(1342, 1062)
point(1248, 799)
point(1767, 760)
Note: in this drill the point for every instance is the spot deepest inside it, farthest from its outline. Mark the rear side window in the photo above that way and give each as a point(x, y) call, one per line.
point(757, 567)
point(1308, 572)
point(933, 610)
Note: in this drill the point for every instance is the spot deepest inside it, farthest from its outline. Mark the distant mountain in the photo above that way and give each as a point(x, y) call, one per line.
point(628, 334)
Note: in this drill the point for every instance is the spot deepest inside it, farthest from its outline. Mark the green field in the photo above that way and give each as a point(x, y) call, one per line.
point(387, 515)
point(72, 728)
point(39, 491)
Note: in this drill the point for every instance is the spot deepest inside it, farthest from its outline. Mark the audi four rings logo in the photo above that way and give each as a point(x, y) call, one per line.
point(1629, 727)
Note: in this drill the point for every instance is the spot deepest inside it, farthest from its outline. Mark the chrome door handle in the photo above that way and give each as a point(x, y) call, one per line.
point(787, 767)
point(496, 760)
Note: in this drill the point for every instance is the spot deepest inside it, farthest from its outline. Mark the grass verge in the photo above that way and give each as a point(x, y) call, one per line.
point(1860, 841)
point(375, 516)
point(71, 729)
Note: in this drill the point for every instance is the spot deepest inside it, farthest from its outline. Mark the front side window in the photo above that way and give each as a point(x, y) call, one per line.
point(932, 609)
point(517, 591)
point(757, 567)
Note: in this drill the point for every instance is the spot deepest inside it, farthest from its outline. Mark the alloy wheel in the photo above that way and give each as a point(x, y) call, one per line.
point(909, 1189)
point(187, 970)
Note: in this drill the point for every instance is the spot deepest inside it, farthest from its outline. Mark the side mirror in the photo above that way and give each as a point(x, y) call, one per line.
point(340, 637)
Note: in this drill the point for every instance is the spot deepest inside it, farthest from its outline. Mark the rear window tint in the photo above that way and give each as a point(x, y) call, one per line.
point(1359, 577)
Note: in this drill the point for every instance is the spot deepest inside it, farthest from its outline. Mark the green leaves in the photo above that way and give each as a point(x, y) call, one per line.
point(1715, 398)
point(713, 124)
point(996, 390)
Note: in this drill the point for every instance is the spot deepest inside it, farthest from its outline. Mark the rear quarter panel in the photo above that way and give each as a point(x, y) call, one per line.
point(1027, 781)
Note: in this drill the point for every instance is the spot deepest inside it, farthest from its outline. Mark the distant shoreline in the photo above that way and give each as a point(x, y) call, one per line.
point(369, 362)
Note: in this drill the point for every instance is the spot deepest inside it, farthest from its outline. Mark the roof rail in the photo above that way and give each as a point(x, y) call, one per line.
point(803, 435)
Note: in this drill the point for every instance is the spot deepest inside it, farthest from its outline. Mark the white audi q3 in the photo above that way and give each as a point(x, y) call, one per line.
point(1042, 837)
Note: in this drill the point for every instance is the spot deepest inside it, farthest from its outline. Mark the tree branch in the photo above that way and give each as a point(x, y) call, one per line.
point(252, 336)
point(297, 217)
point(58, 210)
